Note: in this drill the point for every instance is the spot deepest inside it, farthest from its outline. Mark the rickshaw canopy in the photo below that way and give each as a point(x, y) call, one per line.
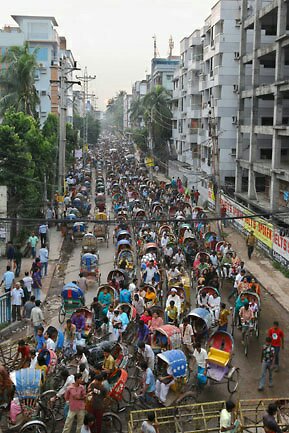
point(71, 291)
point(177, 361)
point(28, 382)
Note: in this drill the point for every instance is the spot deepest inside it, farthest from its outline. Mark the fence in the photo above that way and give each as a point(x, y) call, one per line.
point(5, 308)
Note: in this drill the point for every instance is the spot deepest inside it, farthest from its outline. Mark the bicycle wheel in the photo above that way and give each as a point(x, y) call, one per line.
point(57, 406)
point(46, 416)
point(33, 427)
point(246, 343)
point(233, 381)
point(133, 383)
point(61, 315)
point(111, 423)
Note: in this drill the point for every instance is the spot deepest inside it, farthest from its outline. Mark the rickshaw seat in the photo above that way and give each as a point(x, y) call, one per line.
point(219, 357)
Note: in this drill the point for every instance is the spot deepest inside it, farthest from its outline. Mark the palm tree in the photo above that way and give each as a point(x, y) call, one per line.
point(157, 116)
point(17, 80)
point(136, 112)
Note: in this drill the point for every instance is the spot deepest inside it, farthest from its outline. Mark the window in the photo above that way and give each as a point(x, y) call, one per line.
point(266, 153)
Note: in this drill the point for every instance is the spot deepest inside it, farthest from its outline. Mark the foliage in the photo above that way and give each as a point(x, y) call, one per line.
point(281, 268)
point(17, 80)
point(136, 112)
point(139, 137)
point(93, 127)
point(114, 112)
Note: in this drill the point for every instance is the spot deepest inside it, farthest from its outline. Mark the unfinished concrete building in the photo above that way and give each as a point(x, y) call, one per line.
point(262, 158)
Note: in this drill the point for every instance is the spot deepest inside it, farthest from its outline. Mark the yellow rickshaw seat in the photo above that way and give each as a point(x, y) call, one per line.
point(219, 357)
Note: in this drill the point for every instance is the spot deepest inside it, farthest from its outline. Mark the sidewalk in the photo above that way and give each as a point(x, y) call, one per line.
point(273, 281)
point(55, 245)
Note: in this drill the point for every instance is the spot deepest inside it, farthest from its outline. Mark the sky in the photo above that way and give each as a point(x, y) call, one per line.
point(113, 38)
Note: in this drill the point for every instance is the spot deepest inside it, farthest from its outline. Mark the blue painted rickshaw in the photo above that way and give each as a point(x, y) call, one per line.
point(72, 299)
point(89, 266)
point(201, 321)
point(79, 229)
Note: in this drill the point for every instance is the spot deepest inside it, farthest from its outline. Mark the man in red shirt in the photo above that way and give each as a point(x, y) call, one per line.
point(24, 351)
point(277, 336)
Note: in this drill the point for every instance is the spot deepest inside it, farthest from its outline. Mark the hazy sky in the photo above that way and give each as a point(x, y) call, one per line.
point(113, 38)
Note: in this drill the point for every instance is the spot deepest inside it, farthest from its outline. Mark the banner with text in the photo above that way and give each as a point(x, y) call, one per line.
point(281, 248)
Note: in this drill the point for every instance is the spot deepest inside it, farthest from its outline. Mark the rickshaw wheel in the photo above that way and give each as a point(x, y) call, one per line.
point(47, 416)
point(34, 427)
point(187, 398)
point(56, 406)
point(233, 381)
point(112, 422)
point(61, 315)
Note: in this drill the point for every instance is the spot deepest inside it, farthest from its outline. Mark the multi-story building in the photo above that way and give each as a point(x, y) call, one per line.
point(139, 89)
point(162, 72)
point(41, 34)
point(206, 88)
point(262, 169)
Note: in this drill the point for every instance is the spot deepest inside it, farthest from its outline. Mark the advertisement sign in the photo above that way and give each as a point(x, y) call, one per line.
point(211, 195)
point(281, 248)
point(263, 230)
point(149, 161)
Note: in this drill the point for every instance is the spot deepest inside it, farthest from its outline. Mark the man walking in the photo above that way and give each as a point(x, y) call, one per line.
point(43, 230)
point(75, 396)
point(33, 240)
point(277, 336)
point(250, 242)
point(17, 295)
point(36, 316)
point(267, 360)
point(43, 255)
point(8, 281)
point(18, 261)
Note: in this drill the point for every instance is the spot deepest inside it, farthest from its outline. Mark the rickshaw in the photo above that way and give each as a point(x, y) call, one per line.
point(219, 245)
point(88, 315)
point(148, 302)
point(186, 208)
point(220, 353)
point(119, 352)
point(129, 333)
point(124, 244)
point(181, 292)
point(140, 214)
point(208, 290)
point(122, 234)
point(172, 211)
point(89, 243)
point(166, 337)
point(165, 228)
point(111, 290)
point(125, 260)
point(72, 299)
point(78, 230)
point(181, 231)
point(175, 362)
point(115, 188)
point(118, 275)
point(201, 321)
point(100, 188)
point(89, 266)
point(27, 412)
point(201, 262)
point(184, 282)
point(100, 200)
point(100, 229)
point(151, 248)
point(75, 212)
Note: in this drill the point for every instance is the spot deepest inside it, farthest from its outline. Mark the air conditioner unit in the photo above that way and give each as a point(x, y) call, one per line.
point(235, 88)
point(43, 93)
point(236, 55)
point(233, 153)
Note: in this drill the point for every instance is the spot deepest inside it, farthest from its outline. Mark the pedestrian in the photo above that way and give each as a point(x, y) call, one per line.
point(43, 256)
point(187, 336)
point(269, 422)
point(150, 426)
point(75, 396)
point(36, 284)
point(8, 282)
point(223, 318)
point(147, 354)
point(250, 242)
point(88, 423)
point(82, 282)
point(196, 196)
point(201, 359)
point(223, 212)
point(226, 419)
point(17, 295)
point(267, 360)
point(28, 306)
point(10, 252)
point(27, 280)
point(33, 240)
point(277, 336)
point(43, 230)
point(95, 402)
point(18, 260)
point(37, 318)
point(149, 383)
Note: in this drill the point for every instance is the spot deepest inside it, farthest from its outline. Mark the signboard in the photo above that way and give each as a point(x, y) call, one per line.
point(281, 248)
point(149, 161)
point(211, 195)
point(263, 230)
point(78, 153)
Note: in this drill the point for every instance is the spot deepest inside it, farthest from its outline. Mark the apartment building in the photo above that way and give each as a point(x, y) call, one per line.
point(262, 163)
point(40, 33)
point(205, 91)
point(126, 111)
point(162, 72)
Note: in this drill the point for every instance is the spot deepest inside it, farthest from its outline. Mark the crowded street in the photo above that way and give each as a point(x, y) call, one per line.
point(149, 282)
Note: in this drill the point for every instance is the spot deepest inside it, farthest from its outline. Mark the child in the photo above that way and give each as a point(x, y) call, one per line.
point(88, 422)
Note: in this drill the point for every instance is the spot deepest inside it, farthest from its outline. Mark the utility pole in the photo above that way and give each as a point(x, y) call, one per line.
point(213, 134)
point(64, 85)
point(85, 79)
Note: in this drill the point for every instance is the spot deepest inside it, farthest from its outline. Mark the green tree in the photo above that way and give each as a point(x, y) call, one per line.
point(93, 128)
point(114, 112)
point(136, 112)
point(157, 116)
point(17, 80)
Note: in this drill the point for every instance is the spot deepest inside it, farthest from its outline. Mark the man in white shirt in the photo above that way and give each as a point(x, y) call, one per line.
point(186, 335)
point(179, 258)
point(201, 358)
point(43, 230)
point(17, 295)
point(226, 419)
point(28, 280)
point(239, 277)
point(214, 303)
point(149, 273)
point(43, 255)
point(164, 240)
point(173, 296)
point(147, 353)
point(69, 379)
point(168, 254)
point(132, 286)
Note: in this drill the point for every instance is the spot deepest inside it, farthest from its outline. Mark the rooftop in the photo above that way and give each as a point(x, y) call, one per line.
point(17, 18)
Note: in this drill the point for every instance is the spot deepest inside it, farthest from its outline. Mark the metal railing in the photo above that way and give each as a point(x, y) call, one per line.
point(5, 308)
